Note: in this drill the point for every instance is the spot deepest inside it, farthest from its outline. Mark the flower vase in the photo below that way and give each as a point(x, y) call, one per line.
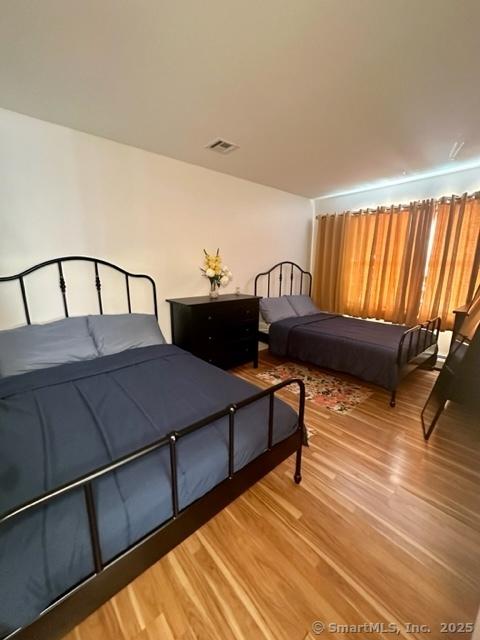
point(213, 291)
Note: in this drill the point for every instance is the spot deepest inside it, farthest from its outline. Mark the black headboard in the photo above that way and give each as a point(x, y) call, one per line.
point(96, 282)
point(288, 274)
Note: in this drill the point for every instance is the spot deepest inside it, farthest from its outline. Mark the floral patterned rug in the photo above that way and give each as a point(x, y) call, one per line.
point(321, 388)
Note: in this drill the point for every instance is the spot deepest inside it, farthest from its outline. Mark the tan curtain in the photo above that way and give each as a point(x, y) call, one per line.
point(453, 266)
point(371, 264)
point(329, 251)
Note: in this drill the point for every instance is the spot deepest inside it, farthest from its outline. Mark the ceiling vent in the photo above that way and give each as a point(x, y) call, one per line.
point(222, 146)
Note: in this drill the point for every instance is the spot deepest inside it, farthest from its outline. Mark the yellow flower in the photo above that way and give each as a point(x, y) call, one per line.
point(213, 263)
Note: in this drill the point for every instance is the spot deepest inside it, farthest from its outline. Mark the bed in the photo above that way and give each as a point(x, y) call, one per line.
point(108, 462)
point(377, 352)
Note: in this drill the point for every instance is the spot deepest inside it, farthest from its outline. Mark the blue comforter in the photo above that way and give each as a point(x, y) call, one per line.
point(360, 347)
point(58, 424)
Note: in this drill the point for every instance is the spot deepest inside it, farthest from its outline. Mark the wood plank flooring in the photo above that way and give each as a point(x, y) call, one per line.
point(383, 529)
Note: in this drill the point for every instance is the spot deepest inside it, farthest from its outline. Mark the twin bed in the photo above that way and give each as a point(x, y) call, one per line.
point(107, 462)
point(377, 352)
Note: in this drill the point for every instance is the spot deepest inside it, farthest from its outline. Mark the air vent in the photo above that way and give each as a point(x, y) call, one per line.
point(222, 146)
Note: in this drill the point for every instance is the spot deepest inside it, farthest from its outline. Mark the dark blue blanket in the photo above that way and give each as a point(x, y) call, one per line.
point(60, 423)
point(359, 347)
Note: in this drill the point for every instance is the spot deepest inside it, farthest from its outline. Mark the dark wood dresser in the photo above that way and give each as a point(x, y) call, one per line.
point(222, 330)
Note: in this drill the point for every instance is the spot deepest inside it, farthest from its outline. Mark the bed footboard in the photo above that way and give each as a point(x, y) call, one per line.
point(70, 608)
point(418, 347)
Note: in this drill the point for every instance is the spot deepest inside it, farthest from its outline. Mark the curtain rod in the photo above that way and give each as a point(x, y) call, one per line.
point(397, 208)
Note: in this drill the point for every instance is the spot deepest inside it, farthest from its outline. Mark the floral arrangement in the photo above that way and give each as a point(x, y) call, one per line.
point(218, 275)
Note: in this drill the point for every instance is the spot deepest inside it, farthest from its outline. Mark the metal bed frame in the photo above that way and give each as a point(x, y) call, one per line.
point(109, 577)
point(59, 262)
point(418, 346)
point(287, 271)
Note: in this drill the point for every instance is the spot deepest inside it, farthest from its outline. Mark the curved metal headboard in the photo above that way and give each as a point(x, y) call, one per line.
point(95, 281)
point(286, 271)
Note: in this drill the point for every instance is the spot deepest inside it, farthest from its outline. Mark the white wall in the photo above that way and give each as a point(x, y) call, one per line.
point(64, 192)
point(445, 185)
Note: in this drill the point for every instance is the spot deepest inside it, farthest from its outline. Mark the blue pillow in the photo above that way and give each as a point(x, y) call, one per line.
point(39, 346)
point(115, 333)
point(302, 305)
point(275, 309)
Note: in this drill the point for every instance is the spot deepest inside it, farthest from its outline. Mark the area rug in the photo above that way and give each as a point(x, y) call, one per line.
point(321, 388)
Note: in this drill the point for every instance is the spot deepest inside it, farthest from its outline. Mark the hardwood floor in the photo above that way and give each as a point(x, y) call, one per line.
point(383, 528)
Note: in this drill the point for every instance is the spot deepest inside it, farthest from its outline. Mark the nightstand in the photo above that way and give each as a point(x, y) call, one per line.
point(222, 331)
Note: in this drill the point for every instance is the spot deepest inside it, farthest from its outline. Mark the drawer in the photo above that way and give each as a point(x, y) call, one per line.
point(239, 331)
point(244, 352)
point(224, 332)
point(232, 312)
point(244, 311)
point(228, 355)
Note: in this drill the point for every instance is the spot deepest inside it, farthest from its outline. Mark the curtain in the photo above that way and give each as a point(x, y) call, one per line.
point(329, 250)
point(452, 275)
point(371, 264)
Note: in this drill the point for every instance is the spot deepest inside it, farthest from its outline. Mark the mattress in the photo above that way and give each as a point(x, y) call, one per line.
point(60, 423)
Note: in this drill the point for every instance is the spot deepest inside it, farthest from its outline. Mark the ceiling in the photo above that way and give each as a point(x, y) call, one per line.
point(321, 95)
